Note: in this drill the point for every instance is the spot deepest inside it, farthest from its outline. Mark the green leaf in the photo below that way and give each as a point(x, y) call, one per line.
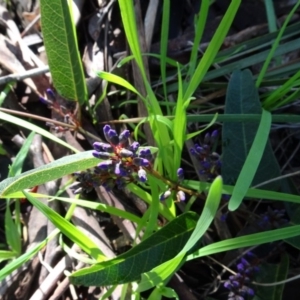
point(13, 237)
point(118, 80)
point(270, 273)
point(61, 167)
point(67, 228)
point(17, 165)
point(153, 251)
point(62, 50)
point(211, 50)
point(5, 255)
point(37, 129)
point(238, 138)
point(247, 241)
point(162, 272)
point(21, 260)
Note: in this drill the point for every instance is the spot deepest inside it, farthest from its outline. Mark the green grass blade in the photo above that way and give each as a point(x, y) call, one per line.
point(164, 44)
point(32, 127)
point(199, 29)
point(67, 229)
point(275, 45)
point(179, 131)
point(162, 272)
point(21, 260)
point(247, 241)
point(17, 165)
point(118, 80)
point(12, 234)
point(62, 50)
point(242, 97)
point(271, 16)
point(252, 161)
point(212, 49)
point(5, 255)
point(101, 207)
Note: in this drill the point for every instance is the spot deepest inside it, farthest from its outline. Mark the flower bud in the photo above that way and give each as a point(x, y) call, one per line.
point(165, 195)
point(180, 174)
point(123, 137)
point(180, 196)
point(105, 165)
point(101, 155)
point(124, 153)
point(112, 137)
point(134, 146)
point(140, 162)
point(142, 175)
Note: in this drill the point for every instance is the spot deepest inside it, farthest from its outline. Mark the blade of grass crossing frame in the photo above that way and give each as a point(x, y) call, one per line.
point(129, 23)
point(252, 161)
point(200, 25)
point(271, 16)
point(163, 45)
point(247, 241)
point(160, 132)
point(68, 229)
point(179, 126)
point(212, 49)
point(275, 45)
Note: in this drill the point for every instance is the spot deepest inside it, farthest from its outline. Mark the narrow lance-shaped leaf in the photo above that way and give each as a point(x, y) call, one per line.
point(62, 50)
point(61, 167)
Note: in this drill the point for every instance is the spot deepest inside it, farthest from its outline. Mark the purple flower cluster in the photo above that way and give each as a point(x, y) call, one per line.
point(123, 162)
point(273, 219)
point(239, 284)
point(210, 161)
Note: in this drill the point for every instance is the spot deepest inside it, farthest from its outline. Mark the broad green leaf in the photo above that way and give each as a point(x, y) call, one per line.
point(62, 49)
point(61, 167)
point(67, 228)
point(271, 273)
point(153, 251)
point(242, 97)
point(37, 129)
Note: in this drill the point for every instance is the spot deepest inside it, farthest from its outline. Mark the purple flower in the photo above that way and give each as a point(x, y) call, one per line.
point(101, 155)
point(134, 146)
point(126, 153)
point(105, 165)
point(140, 162)
point(123, 137)
point(50, 93)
